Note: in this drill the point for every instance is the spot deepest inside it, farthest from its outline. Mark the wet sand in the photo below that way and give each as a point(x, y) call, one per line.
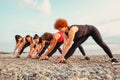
point(98, 68)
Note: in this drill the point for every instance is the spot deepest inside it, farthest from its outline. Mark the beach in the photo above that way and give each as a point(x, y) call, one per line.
point(98, 68)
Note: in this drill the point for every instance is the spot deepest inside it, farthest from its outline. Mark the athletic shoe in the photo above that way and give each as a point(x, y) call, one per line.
point(87, 58)
point(114, 60)
point(17, 56)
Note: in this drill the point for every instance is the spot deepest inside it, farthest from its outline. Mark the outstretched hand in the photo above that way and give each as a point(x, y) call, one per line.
point(35, 56)
point(44, 57)
point(60, 60)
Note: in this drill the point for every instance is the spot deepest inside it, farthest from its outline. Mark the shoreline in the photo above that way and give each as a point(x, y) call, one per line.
point(2, 52)
point(56, 54)
point(98, 68)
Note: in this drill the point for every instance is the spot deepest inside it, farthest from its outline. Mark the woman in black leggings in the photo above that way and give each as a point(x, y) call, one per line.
point(21, 44)
point(75, 35)
point(55, 40)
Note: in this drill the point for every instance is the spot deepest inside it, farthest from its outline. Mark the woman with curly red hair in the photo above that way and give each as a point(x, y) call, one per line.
point(75, 35)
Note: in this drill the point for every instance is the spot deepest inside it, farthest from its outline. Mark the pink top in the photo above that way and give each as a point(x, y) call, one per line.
point(61, 36)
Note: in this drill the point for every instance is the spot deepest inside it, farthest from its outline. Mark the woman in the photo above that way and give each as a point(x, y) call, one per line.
point(33, 44)
point(55, 41)
point(18, 40)
point(21, 44)
point(75, 35)
point(38, 49)
point(35, 41)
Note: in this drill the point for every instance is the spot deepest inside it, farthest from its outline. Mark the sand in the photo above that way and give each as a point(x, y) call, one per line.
point(98, 68)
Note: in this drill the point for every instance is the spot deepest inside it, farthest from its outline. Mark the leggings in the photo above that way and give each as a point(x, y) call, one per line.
point(95, 34)
point(26, 45)
point(59, 49)
point(82, 50)
point(55, 49)
point(43, 50)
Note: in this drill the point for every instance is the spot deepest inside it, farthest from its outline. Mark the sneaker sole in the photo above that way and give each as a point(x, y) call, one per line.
point(118, 63)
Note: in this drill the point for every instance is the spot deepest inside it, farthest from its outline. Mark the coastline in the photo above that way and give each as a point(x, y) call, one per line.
point(98, 68)
point(2, 52)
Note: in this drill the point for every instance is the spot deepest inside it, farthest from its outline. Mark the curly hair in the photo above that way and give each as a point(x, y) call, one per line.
point(60, 23)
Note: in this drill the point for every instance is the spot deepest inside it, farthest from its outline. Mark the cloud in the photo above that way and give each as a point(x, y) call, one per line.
point(28, 1)
point(111, 28)
point(44, 8)
point(107, 18)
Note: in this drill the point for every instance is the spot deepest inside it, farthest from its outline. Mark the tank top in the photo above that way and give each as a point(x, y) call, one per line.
point(61, 36)
point(83, 31)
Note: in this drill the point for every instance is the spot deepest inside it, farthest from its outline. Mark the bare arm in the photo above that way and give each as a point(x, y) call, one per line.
point(42, 46)
point(35, 51)
point(68, 43)
point(16, 47)
point(51, 46)
point(31, 49)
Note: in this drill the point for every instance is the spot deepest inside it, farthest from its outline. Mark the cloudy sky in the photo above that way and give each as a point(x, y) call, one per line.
point(38, 16)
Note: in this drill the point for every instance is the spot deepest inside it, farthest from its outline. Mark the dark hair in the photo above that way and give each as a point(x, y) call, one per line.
point(35, 36)
point(17, 37)
point(28, 36)
point(40, 40)
point(47, 36)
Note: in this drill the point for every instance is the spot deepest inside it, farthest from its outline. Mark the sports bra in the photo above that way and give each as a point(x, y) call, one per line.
point(61, 36)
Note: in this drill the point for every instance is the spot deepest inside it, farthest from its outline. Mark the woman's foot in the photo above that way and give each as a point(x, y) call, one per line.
point(44, 57)
point(114, 60)
point(35, 57)
point(17, 56)
point(28, 56)
point(87, 58)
